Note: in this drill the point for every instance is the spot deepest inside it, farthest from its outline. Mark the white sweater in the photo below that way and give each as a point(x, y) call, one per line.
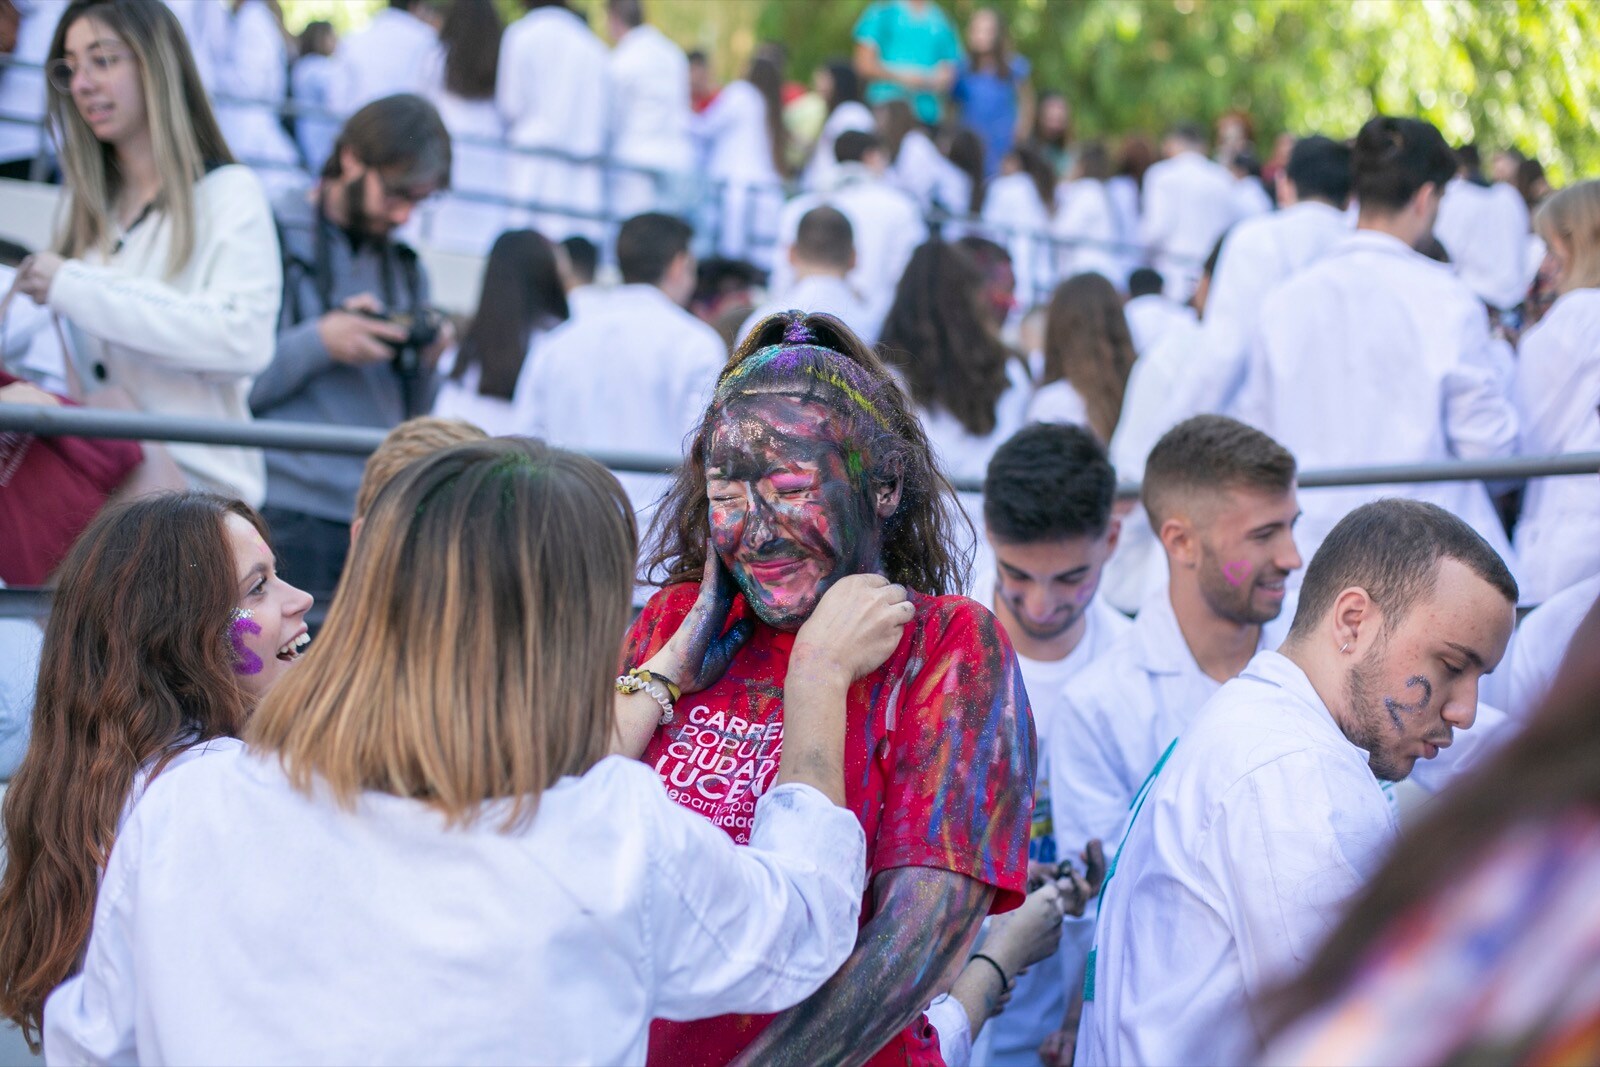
point(191, 344)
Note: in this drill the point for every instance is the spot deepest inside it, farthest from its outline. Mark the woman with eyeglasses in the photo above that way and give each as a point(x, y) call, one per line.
point(158, 263)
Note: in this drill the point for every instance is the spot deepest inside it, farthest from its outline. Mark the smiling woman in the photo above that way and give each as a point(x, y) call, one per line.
point(168, 625)
point(809, 474)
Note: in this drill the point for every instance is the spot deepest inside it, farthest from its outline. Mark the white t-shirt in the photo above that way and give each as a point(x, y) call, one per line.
point(1540, 644)
point(1259, 825)
point(243, 921)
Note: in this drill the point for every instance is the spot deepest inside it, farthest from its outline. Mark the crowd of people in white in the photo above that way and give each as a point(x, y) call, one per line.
point(1051, 315)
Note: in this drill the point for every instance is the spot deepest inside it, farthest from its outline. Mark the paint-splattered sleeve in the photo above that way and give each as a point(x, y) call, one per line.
point(960, 788)
point(659, 620)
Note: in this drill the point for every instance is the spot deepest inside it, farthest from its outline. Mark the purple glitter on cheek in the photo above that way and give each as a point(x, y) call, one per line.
point(244, 660)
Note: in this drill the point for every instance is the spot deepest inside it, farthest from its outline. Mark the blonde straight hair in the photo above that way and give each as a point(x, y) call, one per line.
point(469, 652)
point(1572, 216)
point(184, 135)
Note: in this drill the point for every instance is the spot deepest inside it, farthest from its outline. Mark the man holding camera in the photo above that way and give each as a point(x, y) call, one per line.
point(357, 340)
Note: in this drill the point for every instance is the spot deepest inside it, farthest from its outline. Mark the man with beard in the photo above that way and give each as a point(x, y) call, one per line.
point(1221, 500)
point(350, 294)
point(1262, 820)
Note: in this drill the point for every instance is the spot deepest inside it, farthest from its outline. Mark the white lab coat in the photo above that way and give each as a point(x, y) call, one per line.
point(1373, 355)
point(1257, 256)
point(1015, 217)
point(1485, 230)
point(1058, 401)
point(633, 373)
point(963, 455)
point(885, 226)
point(850, 115)
point(649, 120)
point(1176, 378)
point(1150, 317)
point(822, 293)
point(1250, 198)
point(1039, 998)
point(1259, 827)
point(1540, 644)
point(313, 77)
point(380, 934)
point(1125, 196)
point(254, 66)
point(393, 54)
point(553, 93)
point(1557, 387)
point(1188, 204)
point(463, 225)
point(22, 91)
point(738, 154)
point(204, 27)
point(928, 177)
point(1086, 224)
point(498, 417)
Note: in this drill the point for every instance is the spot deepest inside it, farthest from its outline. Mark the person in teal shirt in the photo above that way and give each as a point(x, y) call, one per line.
point(907, 49)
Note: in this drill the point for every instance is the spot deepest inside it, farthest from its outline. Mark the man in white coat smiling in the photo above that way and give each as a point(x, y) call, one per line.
point(1265, 816)
point(1376, 355)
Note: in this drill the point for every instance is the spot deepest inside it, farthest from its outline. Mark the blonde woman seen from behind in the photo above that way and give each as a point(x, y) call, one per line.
point(166, 264)
point(426, 845)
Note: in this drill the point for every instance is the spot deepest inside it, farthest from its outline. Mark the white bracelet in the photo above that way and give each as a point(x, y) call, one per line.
point(634, 683)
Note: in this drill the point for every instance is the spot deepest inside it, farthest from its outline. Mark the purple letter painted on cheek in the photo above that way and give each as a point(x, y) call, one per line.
point(244, 660)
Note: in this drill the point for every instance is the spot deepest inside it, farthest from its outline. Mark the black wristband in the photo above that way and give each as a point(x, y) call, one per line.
point(1005, 983)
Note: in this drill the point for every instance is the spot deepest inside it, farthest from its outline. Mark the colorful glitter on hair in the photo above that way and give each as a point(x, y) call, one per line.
point(244, 660)
point(798, 333)
point(791, 359)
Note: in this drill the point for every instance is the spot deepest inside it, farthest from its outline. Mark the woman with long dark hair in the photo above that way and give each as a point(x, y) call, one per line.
point(1088, 355)
point(1476, 941)
point(522, 298)
point(841, 91)
point(463, 88)
point(810, 470)
point(970, 389)
point(1019, 206)
point(1086, 221)
point(992, 87)
point(166, 260)
point(747, 149)
point(168, 625)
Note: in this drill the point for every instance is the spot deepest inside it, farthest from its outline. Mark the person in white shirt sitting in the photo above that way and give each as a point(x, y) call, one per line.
point(390, 55)
point(439, 797)
point(163, 263)
point(885, 224)
point(634, 371)
point(650, 113)
point(822, 257)
point(1266, 816)
point(486, 379)
point(1188, 203)
point(1087, 357)
point(1377, 355)
point(1556, 387)
point(168, 625)
point(1048, 532)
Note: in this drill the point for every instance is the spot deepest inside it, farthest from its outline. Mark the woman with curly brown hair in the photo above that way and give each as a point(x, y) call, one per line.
point(168, 624)
point(810, 470)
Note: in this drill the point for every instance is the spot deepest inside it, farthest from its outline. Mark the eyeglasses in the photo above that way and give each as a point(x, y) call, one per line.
point(102, 63)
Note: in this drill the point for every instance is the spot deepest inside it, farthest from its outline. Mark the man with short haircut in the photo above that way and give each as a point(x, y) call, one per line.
point(1188, 204)
point(1048, 531)
point(579, 260)
point(347, 354)
point(1260, 822)
point(1376, 355)
point(650, 112)
point(1261, 252)
point(885, 223)
point(634, 371)
point(1221, 500)
point(822, 256)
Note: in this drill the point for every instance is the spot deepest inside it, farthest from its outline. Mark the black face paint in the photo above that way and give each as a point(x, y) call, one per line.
point(1395, 707)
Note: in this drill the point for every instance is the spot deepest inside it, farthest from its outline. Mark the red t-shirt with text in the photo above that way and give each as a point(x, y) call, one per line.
point(939, 762)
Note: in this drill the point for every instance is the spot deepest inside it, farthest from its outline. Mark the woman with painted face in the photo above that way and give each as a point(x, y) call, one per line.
point(809, 467)
point(158, 264)
point(425, 850)
point(168, 624)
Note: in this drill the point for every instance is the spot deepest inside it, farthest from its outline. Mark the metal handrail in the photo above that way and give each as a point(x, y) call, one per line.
point(346, 440)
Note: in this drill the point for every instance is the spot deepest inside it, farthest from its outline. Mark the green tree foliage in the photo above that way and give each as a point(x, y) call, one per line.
point(1522, 73)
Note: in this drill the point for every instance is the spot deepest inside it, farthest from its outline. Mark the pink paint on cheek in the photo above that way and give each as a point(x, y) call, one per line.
point(244, 660)
point(1236, 572)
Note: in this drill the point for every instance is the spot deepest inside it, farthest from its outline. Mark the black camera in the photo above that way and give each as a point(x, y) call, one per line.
point(422, 330)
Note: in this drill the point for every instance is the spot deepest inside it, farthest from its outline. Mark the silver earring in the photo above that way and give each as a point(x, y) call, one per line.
point(1344, 647)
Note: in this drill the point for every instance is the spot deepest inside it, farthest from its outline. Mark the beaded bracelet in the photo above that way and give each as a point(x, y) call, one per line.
point(652, 685)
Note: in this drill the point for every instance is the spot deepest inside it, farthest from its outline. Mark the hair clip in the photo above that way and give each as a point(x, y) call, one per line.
point(798, 333)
